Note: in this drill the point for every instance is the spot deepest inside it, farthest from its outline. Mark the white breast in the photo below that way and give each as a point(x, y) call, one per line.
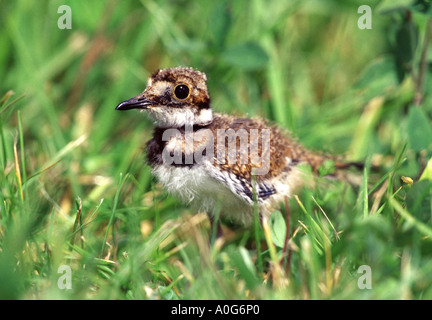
point(198, 186)
point(195, 185)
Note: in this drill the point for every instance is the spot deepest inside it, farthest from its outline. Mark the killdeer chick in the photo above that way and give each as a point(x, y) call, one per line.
point(216, 160)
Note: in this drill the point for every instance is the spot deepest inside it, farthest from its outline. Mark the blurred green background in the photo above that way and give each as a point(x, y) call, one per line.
point(75, 189)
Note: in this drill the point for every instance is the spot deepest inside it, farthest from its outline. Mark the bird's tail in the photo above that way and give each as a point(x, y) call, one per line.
point(335, 168)
point(340, 171)
point(341, 165)
point(321, 163)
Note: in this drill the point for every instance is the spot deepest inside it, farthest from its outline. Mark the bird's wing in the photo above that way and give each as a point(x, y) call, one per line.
point(240, 186)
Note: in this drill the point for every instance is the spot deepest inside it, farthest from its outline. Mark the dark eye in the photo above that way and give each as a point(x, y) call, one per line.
point(181, 91)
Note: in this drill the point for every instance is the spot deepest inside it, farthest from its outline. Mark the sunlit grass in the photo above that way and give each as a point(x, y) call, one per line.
point(75, 189)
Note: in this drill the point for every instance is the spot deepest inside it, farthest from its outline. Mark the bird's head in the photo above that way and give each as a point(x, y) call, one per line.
point(174, 97)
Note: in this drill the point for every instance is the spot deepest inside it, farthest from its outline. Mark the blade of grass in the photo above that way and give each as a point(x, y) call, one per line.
point(365, 127)
point(23, 165)
point(18, 173)
point(57, 158)
point(7, 106)
point(78, 221)
point(5, 98)
point(113, 210)
point(279, 280)
point(286, 251)
point(427, 171)
point(327, 218)
point(241, 260)
point(4, 150)
point(87, 220)
point(282, 109)
point(365, 188)
point(420, 226)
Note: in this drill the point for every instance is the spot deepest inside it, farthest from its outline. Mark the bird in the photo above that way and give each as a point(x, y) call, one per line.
point(214, 161)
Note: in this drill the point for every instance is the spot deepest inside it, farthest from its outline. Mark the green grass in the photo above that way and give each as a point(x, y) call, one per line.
point(75, 190)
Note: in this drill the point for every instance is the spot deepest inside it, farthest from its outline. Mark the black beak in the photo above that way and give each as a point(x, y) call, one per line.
point(138, 102)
